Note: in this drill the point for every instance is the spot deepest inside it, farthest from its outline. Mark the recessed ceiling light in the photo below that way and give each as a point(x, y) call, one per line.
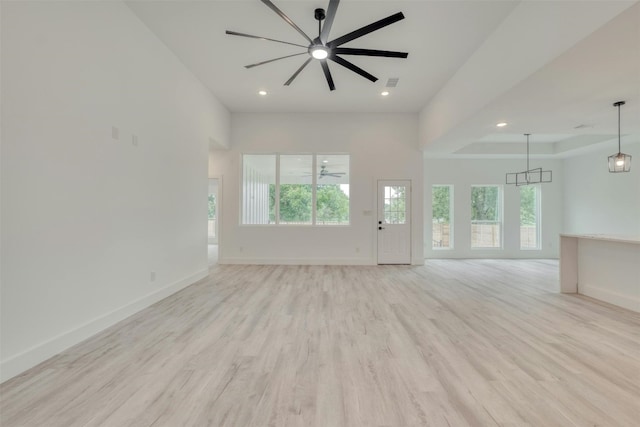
point(325, 161)
point(262, 92)
point(384, 93)
point(501, 124)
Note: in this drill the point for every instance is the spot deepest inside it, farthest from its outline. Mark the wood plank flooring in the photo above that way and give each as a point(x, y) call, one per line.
point(451, 343)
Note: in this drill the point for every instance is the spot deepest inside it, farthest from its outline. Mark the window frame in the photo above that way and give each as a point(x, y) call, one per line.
point(314, 189)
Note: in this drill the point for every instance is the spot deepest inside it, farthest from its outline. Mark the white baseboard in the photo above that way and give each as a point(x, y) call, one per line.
point(21, 362)
point(298, 261)
point(629, 302)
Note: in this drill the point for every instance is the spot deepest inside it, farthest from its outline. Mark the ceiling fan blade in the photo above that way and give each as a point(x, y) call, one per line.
point(328, 21)
point(274, 59)
point(366, 29)
point(286, 18)
point(353, 68)
point(235, 33)
point(288, 82)
point(369, 52)
point(327, 74)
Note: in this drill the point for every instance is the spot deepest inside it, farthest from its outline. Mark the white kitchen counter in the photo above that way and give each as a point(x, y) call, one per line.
point(605, 267)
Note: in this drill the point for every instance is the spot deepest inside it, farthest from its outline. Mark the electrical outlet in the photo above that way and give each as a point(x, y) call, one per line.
point(134, 140)
point(357, 250)
point(152, 276)
point(115, 132)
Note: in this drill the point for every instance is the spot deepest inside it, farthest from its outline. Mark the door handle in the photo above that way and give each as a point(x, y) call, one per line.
point(380, 228)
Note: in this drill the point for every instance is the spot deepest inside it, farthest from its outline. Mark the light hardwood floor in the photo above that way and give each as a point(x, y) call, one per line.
point(451, 343)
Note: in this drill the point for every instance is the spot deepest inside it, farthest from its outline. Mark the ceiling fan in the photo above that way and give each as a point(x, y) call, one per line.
point(324, 172)
point(322, 49)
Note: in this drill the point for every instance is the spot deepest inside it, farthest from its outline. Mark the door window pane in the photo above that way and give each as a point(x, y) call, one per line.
point(394, 204)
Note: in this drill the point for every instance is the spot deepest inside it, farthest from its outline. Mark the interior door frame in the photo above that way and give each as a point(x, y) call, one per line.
point(377, 218)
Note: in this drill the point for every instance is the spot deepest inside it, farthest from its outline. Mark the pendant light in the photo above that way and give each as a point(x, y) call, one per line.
point(528, 176)
point(619, 162)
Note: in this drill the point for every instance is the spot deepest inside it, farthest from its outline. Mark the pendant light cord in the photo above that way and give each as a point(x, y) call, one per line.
point(619, 150)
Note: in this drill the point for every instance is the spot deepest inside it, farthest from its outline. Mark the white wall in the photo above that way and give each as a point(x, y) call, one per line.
point(462, 174)
point(87, 218)
point(599, 202)
point(382, 146)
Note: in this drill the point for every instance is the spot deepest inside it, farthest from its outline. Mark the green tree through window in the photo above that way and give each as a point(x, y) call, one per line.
point(527, 205)
point(295, 202)
point(441, 203)
point(332, 204)
point(484, 203)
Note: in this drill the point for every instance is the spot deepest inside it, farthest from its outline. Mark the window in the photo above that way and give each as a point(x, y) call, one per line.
point(441, 214)
point(295, 189)
point(530, 217)
point(486, 216)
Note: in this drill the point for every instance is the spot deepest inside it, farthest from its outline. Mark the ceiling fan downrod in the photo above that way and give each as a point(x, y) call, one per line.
point(319, 14)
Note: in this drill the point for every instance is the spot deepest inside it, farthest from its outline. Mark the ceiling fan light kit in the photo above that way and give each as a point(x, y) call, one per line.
point(321, 49)
point(619, 162)
point(529, 176)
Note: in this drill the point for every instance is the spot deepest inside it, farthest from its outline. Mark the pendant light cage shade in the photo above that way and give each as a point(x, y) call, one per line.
point(531, 176)
point(528, 176)
point(619, 162)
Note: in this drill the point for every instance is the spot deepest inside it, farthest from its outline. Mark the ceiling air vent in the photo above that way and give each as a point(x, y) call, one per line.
point(393, 81)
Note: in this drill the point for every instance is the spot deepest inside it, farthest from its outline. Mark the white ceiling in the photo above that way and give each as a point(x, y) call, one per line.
point(543, 66)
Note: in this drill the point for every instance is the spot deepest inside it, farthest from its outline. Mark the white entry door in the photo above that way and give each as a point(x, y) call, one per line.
point(394, 222)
